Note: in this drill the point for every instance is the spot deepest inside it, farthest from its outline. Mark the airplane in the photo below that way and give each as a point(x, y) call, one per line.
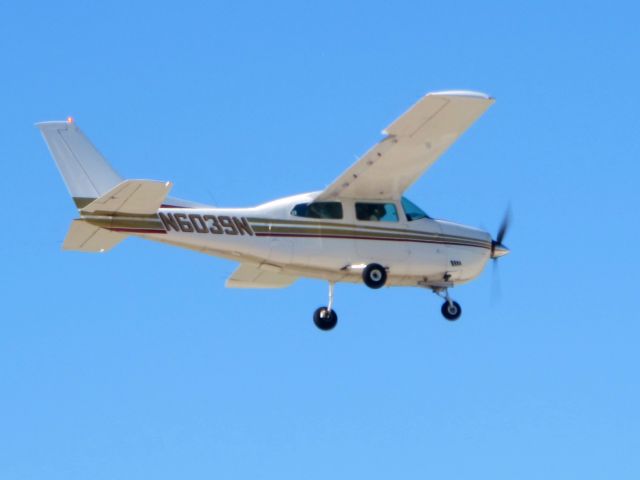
point(358, 229)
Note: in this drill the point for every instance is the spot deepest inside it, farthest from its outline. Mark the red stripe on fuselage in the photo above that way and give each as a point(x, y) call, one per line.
point(351, 237)
point(137, 230)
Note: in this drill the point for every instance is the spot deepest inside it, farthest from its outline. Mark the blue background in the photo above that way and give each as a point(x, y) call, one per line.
point(140, 364)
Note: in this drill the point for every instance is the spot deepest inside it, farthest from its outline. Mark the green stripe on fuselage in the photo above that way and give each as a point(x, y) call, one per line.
point(119, 222)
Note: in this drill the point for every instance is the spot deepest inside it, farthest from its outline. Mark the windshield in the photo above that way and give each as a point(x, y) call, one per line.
point(412, 211)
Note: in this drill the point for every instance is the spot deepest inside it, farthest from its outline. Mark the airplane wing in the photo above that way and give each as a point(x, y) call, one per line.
point(252, 276)
point(413, 143)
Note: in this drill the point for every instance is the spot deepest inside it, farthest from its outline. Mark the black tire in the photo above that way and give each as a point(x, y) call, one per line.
point(374, 275)
point(451, 311)
point(324, 319)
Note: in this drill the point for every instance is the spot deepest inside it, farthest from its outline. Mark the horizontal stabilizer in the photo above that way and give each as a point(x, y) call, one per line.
point(256, 276)
point(131, 197)
point(84, 237)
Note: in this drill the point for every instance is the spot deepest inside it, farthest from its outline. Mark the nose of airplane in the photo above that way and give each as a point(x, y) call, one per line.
point(498, 250)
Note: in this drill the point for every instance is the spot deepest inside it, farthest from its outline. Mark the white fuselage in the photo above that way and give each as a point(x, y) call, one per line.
point(423, 252)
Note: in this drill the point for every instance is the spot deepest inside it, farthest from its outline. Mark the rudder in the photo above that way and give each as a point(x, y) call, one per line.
point(86, 173)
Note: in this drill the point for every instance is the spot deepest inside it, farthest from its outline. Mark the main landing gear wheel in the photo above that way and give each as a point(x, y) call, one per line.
point(374, 275)
point(451, 310)
point(325, 319)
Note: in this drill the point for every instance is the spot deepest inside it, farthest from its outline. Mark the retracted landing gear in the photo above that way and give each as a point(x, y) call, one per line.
point(451, 310)
point(326, 318)
point(374, 275)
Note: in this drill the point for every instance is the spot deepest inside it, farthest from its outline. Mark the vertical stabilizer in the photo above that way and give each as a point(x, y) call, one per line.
point(85, 171)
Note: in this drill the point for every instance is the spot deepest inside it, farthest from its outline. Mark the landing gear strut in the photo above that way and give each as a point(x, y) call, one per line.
point(451, 310)
point(326, 318)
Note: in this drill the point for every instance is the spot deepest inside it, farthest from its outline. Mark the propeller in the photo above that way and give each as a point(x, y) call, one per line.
point(498, 249)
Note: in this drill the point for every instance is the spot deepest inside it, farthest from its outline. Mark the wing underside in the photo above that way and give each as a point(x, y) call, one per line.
point(413, 143)
point(259, 276)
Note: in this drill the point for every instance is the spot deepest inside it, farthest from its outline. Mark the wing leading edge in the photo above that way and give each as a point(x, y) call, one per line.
point(413, 143)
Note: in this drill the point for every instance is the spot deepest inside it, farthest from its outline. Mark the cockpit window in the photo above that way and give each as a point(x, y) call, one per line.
point(330, 210)
point(412, 211)
point(377, 212)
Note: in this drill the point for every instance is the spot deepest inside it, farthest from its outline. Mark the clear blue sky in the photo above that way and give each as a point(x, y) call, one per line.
point(140, 364)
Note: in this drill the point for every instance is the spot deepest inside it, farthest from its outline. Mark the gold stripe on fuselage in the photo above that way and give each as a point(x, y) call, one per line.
point(276, 227)
point(295, 228)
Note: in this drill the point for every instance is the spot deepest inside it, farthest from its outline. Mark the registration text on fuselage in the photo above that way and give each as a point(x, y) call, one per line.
point(212, 224)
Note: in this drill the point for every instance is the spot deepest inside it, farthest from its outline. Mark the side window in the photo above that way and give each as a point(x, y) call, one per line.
point(412, 211)
point(377, 212)
point(330, 210)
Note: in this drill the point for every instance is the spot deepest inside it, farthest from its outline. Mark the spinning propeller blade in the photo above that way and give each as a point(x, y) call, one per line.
point(498, 249)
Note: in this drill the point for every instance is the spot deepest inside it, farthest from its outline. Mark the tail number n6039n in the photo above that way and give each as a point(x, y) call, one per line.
point(216, 224)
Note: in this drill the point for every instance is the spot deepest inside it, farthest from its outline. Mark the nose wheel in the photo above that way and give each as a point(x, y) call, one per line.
point(451, 310)
point(326, 318)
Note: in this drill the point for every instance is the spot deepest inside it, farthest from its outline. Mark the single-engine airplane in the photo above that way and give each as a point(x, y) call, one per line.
point(358, 229)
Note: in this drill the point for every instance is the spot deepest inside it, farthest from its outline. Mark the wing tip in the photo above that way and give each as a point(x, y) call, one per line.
point(53, 124)
point(462, 93)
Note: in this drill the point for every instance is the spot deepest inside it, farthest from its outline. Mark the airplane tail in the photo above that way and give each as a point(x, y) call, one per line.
point(111, 208)
point(86, 173)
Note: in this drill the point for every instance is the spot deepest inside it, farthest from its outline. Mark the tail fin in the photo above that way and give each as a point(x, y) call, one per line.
point(110, 208)
point(85, 171)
